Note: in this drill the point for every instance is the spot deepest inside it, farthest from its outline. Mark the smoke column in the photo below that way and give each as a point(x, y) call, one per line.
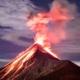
point(49, 27)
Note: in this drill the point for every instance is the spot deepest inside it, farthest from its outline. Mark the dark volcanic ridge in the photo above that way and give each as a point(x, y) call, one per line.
point(42, 66)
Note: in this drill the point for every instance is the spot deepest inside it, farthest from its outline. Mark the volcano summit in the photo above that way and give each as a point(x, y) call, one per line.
point(35, 63)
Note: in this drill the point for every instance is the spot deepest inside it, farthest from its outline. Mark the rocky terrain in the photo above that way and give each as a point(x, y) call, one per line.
point(43, 66)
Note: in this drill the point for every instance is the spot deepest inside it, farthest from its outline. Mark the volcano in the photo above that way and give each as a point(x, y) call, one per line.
point(35, 63)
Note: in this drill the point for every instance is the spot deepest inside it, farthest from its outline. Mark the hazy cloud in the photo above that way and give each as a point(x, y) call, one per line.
point(13, 13)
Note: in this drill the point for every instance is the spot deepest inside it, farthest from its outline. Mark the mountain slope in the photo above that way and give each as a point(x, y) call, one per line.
point(41, 66)
point(65, 71)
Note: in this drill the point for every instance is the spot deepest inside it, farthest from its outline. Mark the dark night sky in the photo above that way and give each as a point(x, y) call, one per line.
point(15, 36)
point(45, 3)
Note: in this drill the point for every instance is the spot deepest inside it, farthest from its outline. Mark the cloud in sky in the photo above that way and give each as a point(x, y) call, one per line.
point(13, 14)
point(16, 36)
point(5, 60)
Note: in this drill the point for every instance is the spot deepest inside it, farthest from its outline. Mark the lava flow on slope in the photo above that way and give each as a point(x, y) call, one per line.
point(23, 66)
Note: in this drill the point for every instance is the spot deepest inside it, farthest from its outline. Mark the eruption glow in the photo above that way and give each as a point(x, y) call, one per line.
point(40, 23)
point(58, 16)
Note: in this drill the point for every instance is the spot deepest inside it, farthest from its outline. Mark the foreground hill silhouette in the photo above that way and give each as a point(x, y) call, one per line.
point(41, 66)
